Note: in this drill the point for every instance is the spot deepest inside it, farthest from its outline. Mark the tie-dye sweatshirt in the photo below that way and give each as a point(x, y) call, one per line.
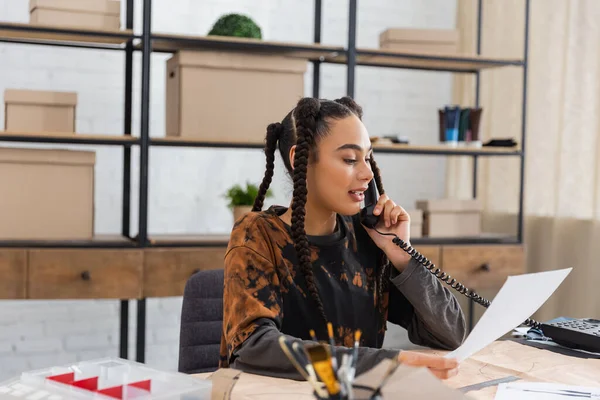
point(266, 295)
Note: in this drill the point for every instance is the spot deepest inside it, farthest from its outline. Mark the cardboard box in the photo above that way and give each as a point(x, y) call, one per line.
point(450, 217)
point(39, 111)
point(230, 96)
point(46, 194)
point(416, 223)
point(91, 14)
point(435, 41)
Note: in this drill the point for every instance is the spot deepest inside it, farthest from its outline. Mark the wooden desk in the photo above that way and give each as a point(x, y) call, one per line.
point(499, 360)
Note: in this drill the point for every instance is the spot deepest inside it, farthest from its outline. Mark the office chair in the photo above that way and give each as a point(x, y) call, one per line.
point(201, 322)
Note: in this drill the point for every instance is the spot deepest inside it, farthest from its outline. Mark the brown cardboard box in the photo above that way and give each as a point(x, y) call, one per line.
point(230, 96)
point(436, 41)
point(91, 14)
point(416, 223)
point(39, 111)
point(450, 217)
point(46, 194)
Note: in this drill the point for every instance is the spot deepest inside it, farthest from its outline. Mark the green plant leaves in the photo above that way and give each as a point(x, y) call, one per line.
point(239, 196)
point(237, 25)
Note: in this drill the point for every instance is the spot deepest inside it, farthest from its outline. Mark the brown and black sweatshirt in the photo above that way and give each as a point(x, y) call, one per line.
point(265, 295)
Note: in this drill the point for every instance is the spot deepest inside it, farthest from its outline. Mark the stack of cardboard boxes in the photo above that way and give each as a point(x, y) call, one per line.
point(90, 14)
point(46, 193)
point(448, 218)
point(413, 40)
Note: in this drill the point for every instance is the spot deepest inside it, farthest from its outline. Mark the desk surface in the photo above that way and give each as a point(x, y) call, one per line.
point(499, 360)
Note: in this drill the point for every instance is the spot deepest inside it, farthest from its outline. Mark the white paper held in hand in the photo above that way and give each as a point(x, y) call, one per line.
point(517, 300)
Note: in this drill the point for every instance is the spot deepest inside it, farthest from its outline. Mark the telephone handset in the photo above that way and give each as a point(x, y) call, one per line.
point(370, 220)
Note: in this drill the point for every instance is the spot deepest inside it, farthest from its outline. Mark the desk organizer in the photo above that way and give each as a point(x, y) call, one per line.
point(107, 378)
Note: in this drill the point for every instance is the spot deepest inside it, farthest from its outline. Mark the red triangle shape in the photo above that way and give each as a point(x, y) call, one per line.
point(89, 383)
point(142, 384)
point(63, 378)
point(115, 392)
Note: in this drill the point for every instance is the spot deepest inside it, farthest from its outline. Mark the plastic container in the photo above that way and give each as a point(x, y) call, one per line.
point(107, 378)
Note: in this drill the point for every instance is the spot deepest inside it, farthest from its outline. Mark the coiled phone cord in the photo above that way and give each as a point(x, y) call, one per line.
point(444, 277)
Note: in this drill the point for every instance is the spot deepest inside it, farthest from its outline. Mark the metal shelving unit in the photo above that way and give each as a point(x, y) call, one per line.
point(149, 42)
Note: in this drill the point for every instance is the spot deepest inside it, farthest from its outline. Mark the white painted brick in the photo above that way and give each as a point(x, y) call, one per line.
point(89, 341)
point(19, 330)
point(51, 359)
point(6, 347)
point(167, 335)
point(39, 346)
point(95, 354)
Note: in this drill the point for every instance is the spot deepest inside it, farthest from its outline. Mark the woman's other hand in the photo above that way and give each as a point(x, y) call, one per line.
point(441, 367)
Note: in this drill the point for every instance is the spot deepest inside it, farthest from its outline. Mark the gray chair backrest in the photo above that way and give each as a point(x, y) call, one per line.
point(201, 322)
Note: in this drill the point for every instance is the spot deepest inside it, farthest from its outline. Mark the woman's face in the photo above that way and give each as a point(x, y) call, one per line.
point(337, 180)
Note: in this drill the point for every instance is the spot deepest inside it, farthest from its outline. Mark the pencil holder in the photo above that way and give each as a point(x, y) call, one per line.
point(359, 392)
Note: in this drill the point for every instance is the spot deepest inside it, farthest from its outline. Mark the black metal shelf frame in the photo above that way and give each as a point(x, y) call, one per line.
point(144, 45)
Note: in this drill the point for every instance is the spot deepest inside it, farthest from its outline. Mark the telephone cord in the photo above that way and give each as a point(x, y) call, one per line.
point(446, 278)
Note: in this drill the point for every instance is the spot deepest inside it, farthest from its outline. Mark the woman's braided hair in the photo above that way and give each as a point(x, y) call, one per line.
point(303, 127)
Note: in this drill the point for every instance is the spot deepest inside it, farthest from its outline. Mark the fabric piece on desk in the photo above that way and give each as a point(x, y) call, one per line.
point(223, 381)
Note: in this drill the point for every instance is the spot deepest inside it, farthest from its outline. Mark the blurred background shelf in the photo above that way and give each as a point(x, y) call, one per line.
point(424, 61)
point(98, 241)
point(66, 138)
point(64, 36)
point(171, 43)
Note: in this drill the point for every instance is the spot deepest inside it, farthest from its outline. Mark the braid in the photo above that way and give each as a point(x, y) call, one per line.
point(273, 132)
point(306, 114)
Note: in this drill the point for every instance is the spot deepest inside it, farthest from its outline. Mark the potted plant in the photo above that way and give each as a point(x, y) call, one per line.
point(241, 199)
point(236, 25)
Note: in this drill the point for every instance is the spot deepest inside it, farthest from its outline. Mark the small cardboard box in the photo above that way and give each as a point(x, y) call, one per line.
point(46, 194)
point(436, 41)
point(91, 14)
point(230, 96)
point(416, 223)
point(450, 217)
point(39, 111)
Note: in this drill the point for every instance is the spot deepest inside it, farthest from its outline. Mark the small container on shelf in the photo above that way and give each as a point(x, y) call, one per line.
point(47, 194)
point(89, 14)
point(31, 111)
point(413, 40)
point(459, 126)
point(449, 217)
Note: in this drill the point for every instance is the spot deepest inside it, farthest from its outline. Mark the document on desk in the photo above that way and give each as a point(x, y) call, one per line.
point(517, 300)
point(544, 391)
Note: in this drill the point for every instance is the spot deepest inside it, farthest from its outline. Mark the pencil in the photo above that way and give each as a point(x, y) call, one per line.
point(357, 335)
point(332, 344)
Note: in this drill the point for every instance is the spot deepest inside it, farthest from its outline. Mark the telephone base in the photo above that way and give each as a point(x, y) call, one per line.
point(579, 334)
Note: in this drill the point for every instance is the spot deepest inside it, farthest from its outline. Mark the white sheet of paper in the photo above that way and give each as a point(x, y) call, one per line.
point(544, 391)
point(517, 300)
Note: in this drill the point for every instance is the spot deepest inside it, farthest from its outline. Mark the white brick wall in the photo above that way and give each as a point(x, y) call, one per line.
point(185, 198)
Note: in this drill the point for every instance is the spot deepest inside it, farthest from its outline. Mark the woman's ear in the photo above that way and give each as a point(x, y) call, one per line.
point(292, 154)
